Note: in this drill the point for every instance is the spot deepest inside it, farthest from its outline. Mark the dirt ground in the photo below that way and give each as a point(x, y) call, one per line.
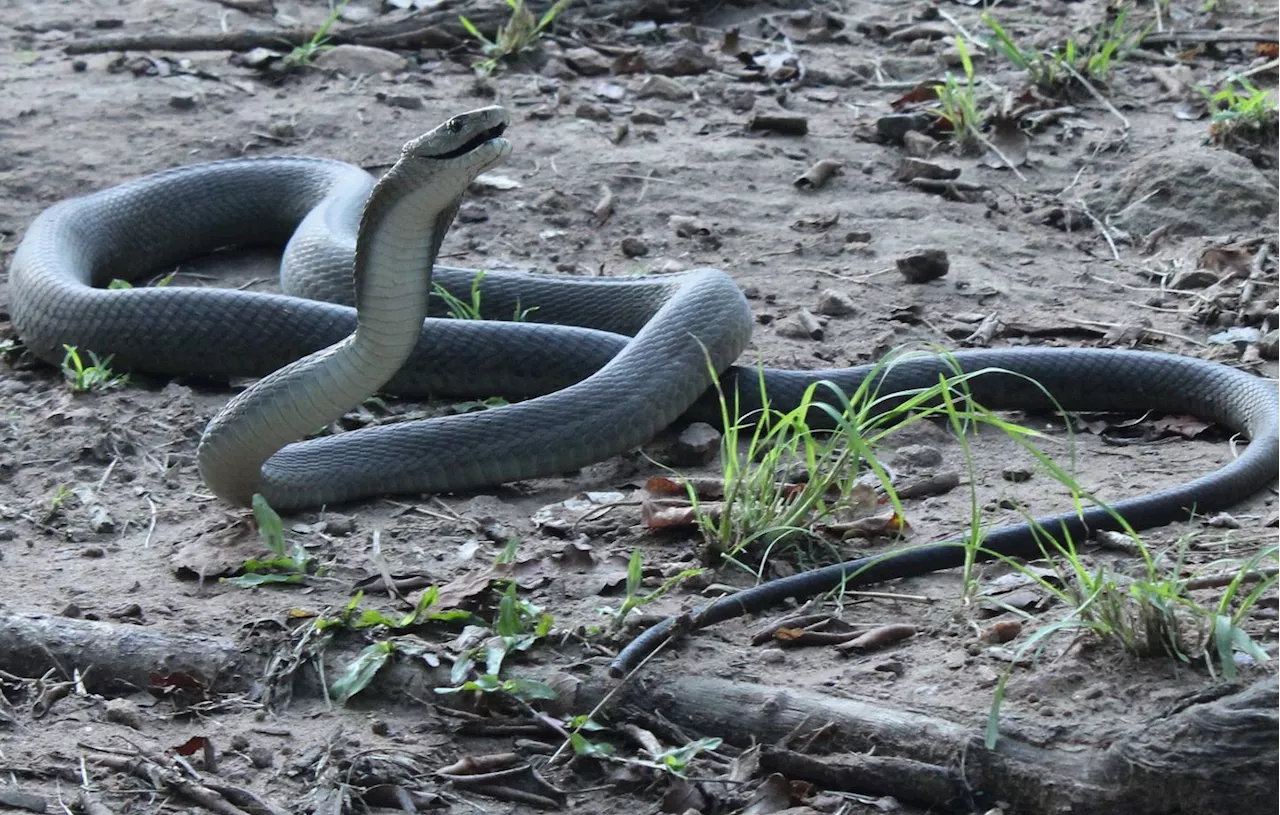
point(103, 515)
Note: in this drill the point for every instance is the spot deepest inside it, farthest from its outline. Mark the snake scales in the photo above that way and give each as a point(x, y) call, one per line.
point(611, 361)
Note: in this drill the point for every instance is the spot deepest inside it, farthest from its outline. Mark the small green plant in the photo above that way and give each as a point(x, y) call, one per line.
point(96, 376)
point(1055, 71)
point(519, 625)
point(304, 54)
point(960, 104)
point(633, 599)
point(1150, 615)
point(360, 672)
point(469, 309)
point(117, 283)
point(1244, 120)
point(761, 508)
point(284, 566)
point(520, 32)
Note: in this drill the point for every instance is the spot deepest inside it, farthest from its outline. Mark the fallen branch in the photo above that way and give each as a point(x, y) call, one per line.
point(1177, 37)
point(1215, 751)
point(437, 28)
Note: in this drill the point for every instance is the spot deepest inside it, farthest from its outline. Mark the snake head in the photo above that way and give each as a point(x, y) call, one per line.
point(474, 136)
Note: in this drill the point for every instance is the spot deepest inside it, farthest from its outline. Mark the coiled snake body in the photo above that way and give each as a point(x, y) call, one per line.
point(628, 357)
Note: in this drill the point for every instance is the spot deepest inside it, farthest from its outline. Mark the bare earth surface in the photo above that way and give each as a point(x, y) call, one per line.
point(103, 515)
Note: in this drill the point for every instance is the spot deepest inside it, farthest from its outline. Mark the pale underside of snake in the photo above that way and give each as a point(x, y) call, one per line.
point(609, 362)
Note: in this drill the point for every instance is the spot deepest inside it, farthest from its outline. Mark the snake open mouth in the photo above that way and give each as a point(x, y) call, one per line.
point(474, 142)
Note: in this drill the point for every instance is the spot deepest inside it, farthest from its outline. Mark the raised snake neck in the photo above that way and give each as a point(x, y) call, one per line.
point(632, 356)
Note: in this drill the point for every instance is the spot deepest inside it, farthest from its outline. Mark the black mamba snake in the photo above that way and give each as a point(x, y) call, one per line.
point(611, 362)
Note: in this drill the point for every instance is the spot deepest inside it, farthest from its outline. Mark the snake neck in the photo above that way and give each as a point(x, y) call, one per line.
point(393, 265)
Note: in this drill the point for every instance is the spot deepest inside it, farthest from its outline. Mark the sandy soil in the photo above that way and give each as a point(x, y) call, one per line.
point(103, 515)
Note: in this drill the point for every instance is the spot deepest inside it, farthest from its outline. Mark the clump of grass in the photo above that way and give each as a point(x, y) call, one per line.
point(1057, 70)
point(633, 598)
point(761, 509)
point(1152, 614)
point(469, 309)
point(518, 34)
point(1244, 119)
point(285, 565)
point(304, 54)
point(95, 376)
point(960, 104)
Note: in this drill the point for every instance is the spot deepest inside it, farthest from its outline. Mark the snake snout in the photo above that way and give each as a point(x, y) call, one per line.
point(461, 135)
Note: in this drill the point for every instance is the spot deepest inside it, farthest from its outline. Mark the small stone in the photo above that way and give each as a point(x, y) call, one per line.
point(923, 265)
point(917, 456)
point(100, 519)
point(739, 100)
point(93, 552)
point(262, 757)
point(7, 533)
point(361, 59)
point(919, 145)
point(698, 443)
point(340, 526)
point(472, 213)
point(802, 326)
point(1270, 344)
point(1193, 279)
point(182, 101)
point(773, 656)
point(1224, 520)
point(910, 168)
point(556, 68)
point(408, 101)
point(611, 91)
point(1017, 475)
point(259, 57)
point(125, 712)
point(663, 87)
point(596, 113)
point(634, 247)
point(682, 59)
point(587, 61)
point(79, 66)
point(356, 14)
point(895, 126)
point(836, 304)
point(644, 117)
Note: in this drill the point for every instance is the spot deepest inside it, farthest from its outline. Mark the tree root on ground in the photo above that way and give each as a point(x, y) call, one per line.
point(1214, 751)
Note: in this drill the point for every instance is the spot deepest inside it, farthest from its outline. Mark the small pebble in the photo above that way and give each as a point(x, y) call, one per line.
point(664, 87)
point(125, 712)
point(835, 304)
point(634, 247)
point(801, 325)
point(407, 101)
point(773, 656)
point(79, 66)
point(917, 456)
point(1016, 474)
point(262, 757)
point(595, 113)
point(923, 265)
point(182, 101)
point(699, 442)
point(644, 117)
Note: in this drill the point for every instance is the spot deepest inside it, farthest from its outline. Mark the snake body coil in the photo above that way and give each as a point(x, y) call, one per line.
point(617, 359)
